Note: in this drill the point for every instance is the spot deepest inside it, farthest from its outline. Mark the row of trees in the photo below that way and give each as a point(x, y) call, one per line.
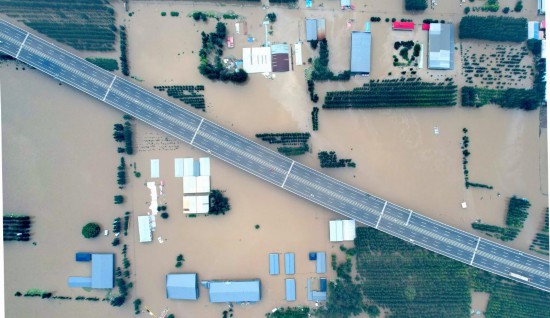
point(311, 89)
point(493, 28)
point(123, 133)
point(526, 99)
point(329, 159)
point(284, 138)
point(121, 173)
point(294, 151)
point(394, 93)
point(104, 63)
point(17, 227)
point(321, 71)
point(124, 52)
point(416, 5)
point(465, 155)
point(315, 118)
point(515, 218)
point(186, 93)
point(541, 240)
point(120, 280)
point(210, 54)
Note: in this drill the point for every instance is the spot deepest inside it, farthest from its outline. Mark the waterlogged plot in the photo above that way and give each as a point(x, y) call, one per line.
point(82, 24)
point(395, 93)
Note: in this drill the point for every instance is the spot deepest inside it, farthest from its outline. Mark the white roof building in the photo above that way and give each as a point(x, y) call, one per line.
point(342, 230)
point(204, 166)
point(189, 185)
point(298, 53)
point(188, 167)
point(203, 184)
point(155, 173)
point(145, 232)
point(178, 167)
point(257, 60)
point(196, 204)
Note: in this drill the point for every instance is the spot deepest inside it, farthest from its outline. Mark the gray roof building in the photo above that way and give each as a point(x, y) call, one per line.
point(182, 286)
point(317, 295)
point(441, 46)
point(311, 29)
point(234, 291)
point(103, 268)
point(360, 52)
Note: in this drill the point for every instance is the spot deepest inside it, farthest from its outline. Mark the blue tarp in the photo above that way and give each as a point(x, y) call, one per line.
point(323, 284)
point(83, 257)
point(273, 264)
point(290, 287)
point(312, 256)
point(289, 263)
point(321, 266)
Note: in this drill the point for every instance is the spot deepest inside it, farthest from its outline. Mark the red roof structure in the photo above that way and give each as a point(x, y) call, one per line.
point(407, 26)
point(425, 27)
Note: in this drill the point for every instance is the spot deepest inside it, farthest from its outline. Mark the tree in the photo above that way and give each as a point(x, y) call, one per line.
point(415, 5)
point(313, 44)
point(119, 199)
point(116, 241)
point(164, 215)
point(519, 6)
point(506, 10)
point(118, 301)
point(272, 17)
point(534, 46)
point(410, 293)
point(373, 311)
point(466, 10)
point(218, 203)
point(91, 230)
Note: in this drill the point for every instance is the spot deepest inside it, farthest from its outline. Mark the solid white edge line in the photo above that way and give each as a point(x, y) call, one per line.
point(381, 214)
point(477, 245)
point(409, 218)
point(109, 89)
point(288, 172)
point(22, 44)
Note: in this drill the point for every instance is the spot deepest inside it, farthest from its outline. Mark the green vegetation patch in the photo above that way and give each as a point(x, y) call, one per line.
point(219, 204)
point(17, 227)
point(520, 98)
point(290, 312)
point(416, 5)
point(294, 144)
point(515, 218)
point(540, 242)
point(329, 159)
point(91, 230)
point(395, 93)
point(321, 71)
point(104, 63)
point(189, 94)
point(125, 69)
point(315, 118)
point(82, 24)
point(493, 28)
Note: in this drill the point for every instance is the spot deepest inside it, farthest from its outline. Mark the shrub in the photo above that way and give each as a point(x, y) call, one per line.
point(272, 17)
point(219, 203)
point(18, 294)
point(119, 199)
point(178, 264)
point(163, 13)
point(257, 226)
point(174, 14)
point(415, 5)
point(506, 10)
point(116, 241)
point(164, 215)
point(518, 7)
point(91, 230)
point(466, 10)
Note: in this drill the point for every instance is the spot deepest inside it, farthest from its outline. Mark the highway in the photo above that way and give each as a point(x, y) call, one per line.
point(270, 166)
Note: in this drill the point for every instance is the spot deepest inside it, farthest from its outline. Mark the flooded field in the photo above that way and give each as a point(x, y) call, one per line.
point(60, 162)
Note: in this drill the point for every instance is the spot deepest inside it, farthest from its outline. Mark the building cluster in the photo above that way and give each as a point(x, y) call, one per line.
point(196, 185)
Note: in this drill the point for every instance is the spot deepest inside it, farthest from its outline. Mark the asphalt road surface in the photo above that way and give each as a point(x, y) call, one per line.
point(271, 166)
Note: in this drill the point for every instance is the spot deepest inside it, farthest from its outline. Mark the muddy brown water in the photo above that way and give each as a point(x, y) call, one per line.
point(60, 163)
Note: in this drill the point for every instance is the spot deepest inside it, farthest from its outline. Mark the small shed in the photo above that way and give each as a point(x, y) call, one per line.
point(298, 53)
point(230, 43)
point(78, 281)
point(289, 263)
point(290, 289)
point(145, 232)
point(348, 227)
point(533, 30)
point(311, 30)
point(189, 204)
point(178, 167)
point(188, 167)
point(321, 263)
point(345, 3)
point(321, 31)
point(273, 264)
point(203, 184)
point(155, 172)
point(403, 26)
point(425, 27)
point(204, 166)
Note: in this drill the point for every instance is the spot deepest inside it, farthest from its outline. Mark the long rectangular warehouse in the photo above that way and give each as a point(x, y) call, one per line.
point(360, 52)
point(290, 289)
point(441, 42)
point(234, 291)
point(273, 264)
point(321, 264)
point(289, 263)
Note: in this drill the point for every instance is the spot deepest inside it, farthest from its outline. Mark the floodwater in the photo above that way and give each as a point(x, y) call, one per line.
point(66, 177)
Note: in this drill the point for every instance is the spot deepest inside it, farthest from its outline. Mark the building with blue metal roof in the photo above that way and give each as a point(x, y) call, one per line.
point(311, 30)
point(273, 264)
point(182, 286)
point(317, 295)
point(321, 263)
point(360, 52)
point(103, 268)
point(290, 289)
point(289, 263)
point(234, 291)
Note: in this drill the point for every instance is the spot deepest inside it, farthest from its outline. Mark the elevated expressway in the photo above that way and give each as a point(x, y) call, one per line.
point(270, 166)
